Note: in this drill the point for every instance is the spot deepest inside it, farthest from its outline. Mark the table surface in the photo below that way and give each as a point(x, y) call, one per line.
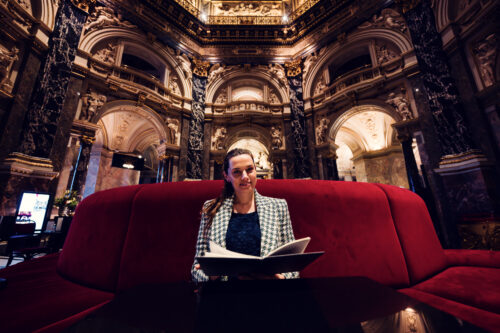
point(343, 304)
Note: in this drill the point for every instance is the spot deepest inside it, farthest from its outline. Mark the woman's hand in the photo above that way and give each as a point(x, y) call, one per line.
point(212, 278)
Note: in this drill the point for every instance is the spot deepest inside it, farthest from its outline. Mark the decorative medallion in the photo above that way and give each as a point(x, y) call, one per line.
point(84, 5)
point(201, 67)
point(293, 68)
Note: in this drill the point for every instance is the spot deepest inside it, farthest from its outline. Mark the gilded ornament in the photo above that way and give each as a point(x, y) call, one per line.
point(84, 5)
point(201, 67)
point(293, 68)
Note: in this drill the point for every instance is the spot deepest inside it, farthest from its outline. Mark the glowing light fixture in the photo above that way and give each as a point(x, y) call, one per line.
point(128, 166)
point(284, 18)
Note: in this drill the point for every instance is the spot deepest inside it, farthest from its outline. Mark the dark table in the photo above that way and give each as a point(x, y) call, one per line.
point(346, 304)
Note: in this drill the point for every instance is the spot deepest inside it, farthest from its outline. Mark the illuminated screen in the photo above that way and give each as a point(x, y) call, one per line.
point(33, 208)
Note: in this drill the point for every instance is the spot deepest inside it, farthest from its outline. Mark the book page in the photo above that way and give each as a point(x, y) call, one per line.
point(218, 251)
point(296, 246)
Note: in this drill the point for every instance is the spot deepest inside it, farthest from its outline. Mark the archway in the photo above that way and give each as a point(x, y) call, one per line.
point(260, 154)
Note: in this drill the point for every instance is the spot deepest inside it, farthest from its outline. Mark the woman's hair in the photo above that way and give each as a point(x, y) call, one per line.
point(211, 209)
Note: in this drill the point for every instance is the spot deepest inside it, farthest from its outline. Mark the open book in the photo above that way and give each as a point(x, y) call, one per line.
point(286, 258)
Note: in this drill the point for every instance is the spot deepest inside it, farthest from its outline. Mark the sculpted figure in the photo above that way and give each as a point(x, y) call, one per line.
point(222, 98)
point(273, 99)
point(107, 54)
point(173, 129)
point(218, 138)
point(104, 16)
point(216, 71)
point(384, 54)
point(7, 59)
point(260, 161)
point(308, 62)
point(320, 86)
point(185, 64)
point(321, 130)
point(174, 86)
point(486, 52)
point(279, 72)
point(400, 104)
point(276, 137)
point(90, 105)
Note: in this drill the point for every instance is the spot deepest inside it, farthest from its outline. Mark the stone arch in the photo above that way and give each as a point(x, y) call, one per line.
point(354, 41)
point(256, 73)
point(255, 132)
point(152, 130)
point(45, 11)
point(165, 54)
point(442, 14)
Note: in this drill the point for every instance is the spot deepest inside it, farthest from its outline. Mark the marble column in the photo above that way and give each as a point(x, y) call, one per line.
point(47, 101)
point(195, 140)
point(79, 176)
point(297, 121)
point(468, 178)
point(331, 168)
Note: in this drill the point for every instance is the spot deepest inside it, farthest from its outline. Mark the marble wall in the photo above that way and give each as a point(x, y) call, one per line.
point(386, 169)
point(111, 177)
point(195, 140)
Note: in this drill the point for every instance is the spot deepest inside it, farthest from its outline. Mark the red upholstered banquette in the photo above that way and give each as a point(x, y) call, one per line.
point(133, 235)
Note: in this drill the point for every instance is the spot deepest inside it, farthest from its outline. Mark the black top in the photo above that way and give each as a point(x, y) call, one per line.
point(243, 234)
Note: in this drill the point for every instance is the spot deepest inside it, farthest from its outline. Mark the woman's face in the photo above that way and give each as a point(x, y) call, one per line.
point(241, 174)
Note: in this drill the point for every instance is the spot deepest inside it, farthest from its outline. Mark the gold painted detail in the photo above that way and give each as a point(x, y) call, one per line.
point(29, 160)
point(462, 157)
point(481, 234)
point(201, 67)
point(293, 68)
point(245, 20)
point(88, 139)
point(407, 5)
point(302, 9)
point(85, 5)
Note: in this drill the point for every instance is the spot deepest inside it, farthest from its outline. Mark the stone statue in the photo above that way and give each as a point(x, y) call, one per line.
point(486, 52)
point(278, 71)
point(7, 59)
point(103, 17)
point(276, 137)
point(185, 64)
point(384, 54)
point(107, 54)
point(388, 18)
point(308, 62)
point(173, 130)
point(91, 102)
point(216, 71)
point(273, 99)
point(173, 85)
point(320, 86)
point(400, 104)
point(321, 130)
point(260, 161)
point(218, 138)
point(222, 97)
point(26, 4)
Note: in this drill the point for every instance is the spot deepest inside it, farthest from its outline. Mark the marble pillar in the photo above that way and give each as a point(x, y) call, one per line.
point(467, 177)
point(79, 175)
point(195, 140)
point(47, 101)
point(298, 128)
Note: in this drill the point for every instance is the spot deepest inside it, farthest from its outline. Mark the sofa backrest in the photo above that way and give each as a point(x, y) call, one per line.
point(146, 234)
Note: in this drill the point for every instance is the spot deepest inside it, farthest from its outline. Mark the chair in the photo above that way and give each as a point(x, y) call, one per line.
point(24, 243)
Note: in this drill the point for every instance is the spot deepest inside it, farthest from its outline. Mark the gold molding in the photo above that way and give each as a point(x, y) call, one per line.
point(201, 67)
point(85, 5)
point(293, 68)
point(88, 139)
point(461, 157)
point(29, 160)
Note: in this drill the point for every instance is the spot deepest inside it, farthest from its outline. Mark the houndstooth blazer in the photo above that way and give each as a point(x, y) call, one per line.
point(275, 226)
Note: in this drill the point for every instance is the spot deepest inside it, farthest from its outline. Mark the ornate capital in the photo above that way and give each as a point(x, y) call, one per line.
point(85, 5)
point(88, 139)
point(293, 68)
point(201, 67)
point(407, 5)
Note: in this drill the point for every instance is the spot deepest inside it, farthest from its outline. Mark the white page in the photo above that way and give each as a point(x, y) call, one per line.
point(218, 251)
point(296, 246)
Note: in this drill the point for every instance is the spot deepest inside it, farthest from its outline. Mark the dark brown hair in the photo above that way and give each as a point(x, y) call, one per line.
point(211, 209)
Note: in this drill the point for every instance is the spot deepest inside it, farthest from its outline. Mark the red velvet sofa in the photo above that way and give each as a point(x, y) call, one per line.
point(133, 235)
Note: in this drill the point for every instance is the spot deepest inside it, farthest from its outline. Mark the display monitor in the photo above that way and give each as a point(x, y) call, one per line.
point(33, 208)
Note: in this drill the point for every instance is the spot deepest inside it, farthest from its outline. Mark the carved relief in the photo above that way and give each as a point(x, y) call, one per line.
point(277, 71)
point(486, 53)
point(321, 130)
point(107, 54)
point(310, 60)
point(216, 71)
point(173, 85)
point(222, 97)
point(389, 19)
point(384, 54)
point(185, 64)
point(7, 60)
point(105, 17)
point(273, 97)
point(400, 104)
point(276, 137)
point(247, 9)
point(218, 138)
point(320, 86)
point(26, 4)
point(261, 161)
point(91, 103)
point(173, 130)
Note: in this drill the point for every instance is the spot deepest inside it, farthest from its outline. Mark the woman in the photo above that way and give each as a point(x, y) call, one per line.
point(241, 219)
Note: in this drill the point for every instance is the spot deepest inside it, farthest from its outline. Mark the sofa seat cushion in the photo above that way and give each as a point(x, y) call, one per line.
point(475, 286)
point(37, 296)
point(478, 317)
